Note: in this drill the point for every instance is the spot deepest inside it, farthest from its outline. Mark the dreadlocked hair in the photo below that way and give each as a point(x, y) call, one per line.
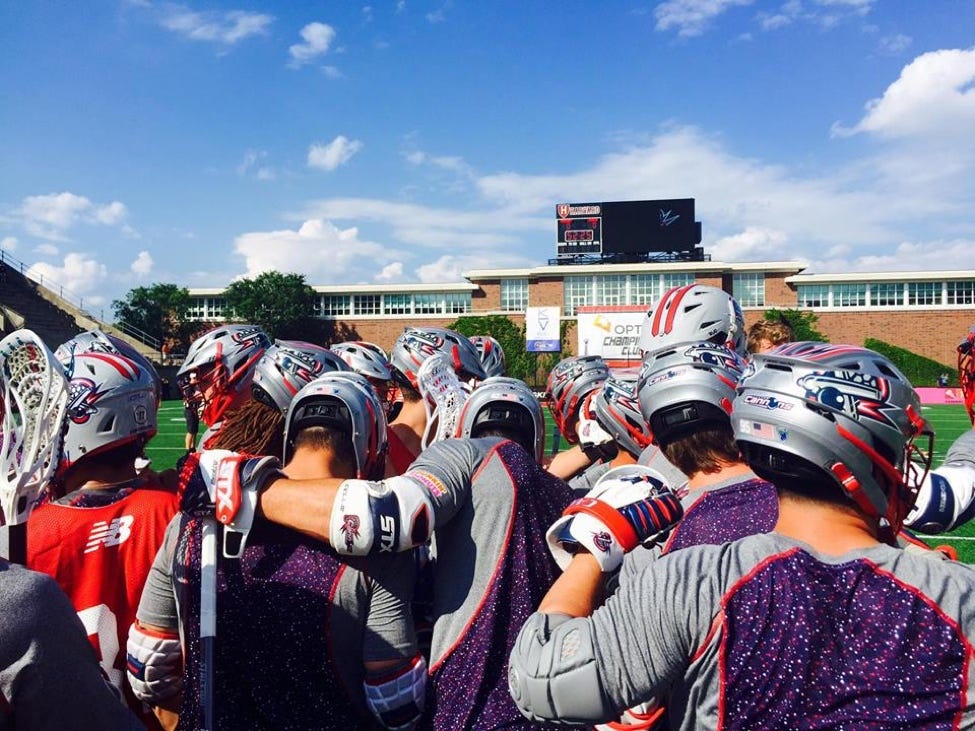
point(253, 428)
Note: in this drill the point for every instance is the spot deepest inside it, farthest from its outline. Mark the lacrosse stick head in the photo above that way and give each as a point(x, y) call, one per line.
point(33, 403)
point(443, 397)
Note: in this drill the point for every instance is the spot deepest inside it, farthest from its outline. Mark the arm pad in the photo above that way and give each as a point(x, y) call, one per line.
point(380, 517)
point(154, 664)
point(946, 499)
point(396, 699)
point(552, 674)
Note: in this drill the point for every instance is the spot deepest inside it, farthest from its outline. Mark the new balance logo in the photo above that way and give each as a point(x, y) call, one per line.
point(110, 533)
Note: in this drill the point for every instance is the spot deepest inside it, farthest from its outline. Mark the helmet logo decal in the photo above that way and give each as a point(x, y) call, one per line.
point(714, 355)
point(299, 364)
point(82, 395)
point(249, 336)
point(766, 402)
point(858, 395)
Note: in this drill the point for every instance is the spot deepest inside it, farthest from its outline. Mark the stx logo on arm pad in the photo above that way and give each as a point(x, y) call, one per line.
point(380, 517)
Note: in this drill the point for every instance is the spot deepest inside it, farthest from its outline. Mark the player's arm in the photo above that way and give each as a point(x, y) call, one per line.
point(395, 671)
point(946, 498)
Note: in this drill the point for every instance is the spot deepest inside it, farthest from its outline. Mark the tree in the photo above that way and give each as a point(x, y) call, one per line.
point(803, 324)
point(160, 310)
point(282, 304)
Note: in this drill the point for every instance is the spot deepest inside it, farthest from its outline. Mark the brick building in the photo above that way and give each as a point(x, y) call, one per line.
point(926, 312)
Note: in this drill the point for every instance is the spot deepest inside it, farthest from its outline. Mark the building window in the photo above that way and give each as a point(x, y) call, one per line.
point(576, 293)
point(334, 305)
point(367, 304)
point(749, 289)
point(396, 304)
point(428, 304)
point(813, 295)
point(961, 293)
point(514, 295)
point(849, 295)
point(924, 293)
point(611, 289)
point(644, 289)
point(457, 302)
point(677, 279)
point(887, 294)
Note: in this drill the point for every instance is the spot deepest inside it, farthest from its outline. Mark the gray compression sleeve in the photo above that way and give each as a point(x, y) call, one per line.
point(389, 621)
point(157, 607)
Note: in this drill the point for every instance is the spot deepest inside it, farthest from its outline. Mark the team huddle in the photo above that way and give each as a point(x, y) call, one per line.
point(364, 539)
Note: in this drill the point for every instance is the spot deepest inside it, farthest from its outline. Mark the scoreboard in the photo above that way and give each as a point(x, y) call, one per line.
point(626, 227)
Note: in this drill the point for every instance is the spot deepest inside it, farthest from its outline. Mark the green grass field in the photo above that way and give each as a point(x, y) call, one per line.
point(948, 422)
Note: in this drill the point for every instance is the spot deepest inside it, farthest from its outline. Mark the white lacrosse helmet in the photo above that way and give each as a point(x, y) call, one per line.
point(506, 403)
point(287, 366)
point(224, 359)
point(490, 353)
point(693, 313)
point(364, 358)
point(808, 410)
point(417, 344)
point(569, 382)
point(345, 401)
point(98, 341)
point(111, 402)
point(685, 387)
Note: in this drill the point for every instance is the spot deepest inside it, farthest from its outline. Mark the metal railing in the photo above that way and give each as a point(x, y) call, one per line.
point(77, 301)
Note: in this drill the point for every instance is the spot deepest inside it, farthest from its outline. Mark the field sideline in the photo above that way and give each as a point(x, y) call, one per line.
point(949, 421)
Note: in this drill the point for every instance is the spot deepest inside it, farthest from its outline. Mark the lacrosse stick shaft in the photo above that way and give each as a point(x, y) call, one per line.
point(208, 621)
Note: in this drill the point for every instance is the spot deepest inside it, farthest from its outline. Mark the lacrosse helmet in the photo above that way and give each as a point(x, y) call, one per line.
point(808, 410)
point(692, 313)
point(490, 353)
point(288, 365)
point(506, 403)
point(615, 406)
point(111, 402)
point(569, 382)
point(224, 359)
point(684, 387)
point(966, 371)
point(345, 401)
point(98, 341)
point(364, 358)
point(416, 344)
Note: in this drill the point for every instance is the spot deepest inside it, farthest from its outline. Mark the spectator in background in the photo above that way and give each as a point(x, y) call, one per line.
point(943, 380)
point(766, 334)
point(192, 403)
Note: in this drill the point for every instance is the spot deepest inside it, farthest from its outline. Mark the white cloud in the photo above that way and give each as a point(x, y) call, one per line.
point(367, 14)
point(111, 214)
point(8, 243)
point(142, 265)
point(316, 40)
point(50, 216)
point(320, 250)
point(390, 273)
point(437, 16)
point(254, 165)
point(226, 28)
point(332, 72)
point(754, 243)
point(46, 249)
point(80, 275)
point(895, 44)
point(934, 97)
point(337, 152)
point(691, 17)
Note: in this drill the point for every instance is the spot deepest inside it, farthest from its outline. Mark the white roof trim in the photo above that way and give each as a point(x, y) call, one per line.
point(882, 277)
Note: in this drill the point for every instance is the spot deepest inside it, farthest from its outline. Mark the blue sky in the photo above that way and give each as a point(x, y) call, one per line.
point(408, 141)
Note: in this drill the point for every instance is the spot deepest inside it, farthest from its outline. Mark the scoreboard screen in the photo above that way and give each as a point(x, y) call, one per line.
point(627, 227)
point(579, 229)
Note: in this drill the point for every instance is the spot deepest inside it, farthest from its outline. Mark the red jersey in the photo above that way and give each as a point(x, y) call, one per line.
point(399, 454)
point(99, 546)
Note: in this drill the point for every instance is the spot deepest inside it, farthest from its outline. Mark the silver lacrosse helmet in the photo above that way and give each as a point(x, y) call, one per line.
point(490, 353)
point(809, 410)
point(507, 403)
point(345, 401)
point(417, 344)
point(616, 407)
point(569, 382)
point(687, 386)
point(692, 313)
point(99, 341)
point(287, 366)
point(111, 402)
point(364, 358)
point(224, 359)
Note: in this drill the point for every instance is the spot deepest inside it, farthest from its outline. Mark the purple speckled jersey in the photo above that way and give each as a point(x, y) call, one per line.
point(492, 570)
point(772, 635)
point(725, 514)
